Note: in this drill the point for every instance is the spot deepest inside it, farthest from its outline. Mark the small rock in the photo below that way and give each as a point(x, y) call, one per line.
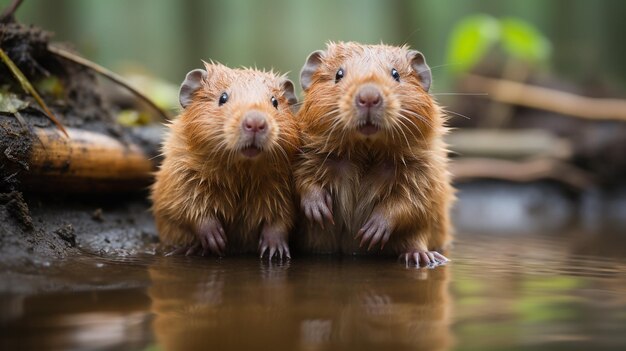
point(67, 234)
point(97, 215)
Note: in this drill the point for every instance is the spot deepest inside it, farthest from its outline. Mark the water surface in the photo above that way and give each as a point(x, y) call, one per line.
point(501, 292)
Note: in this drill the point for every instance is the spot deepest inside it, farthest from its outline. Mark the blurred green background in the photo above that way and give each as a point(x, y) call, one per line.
point(168, 38)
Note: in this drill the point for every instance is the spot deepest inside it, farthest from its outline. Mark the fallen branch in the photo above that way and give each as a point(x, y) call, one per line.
point(508, 144)
point(466, 169)
point(105, 73)
point(564, 103)
point(86, 161)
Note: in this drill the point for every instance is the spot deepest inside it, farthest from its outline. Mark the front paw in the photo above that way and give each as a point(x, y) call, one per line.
point(317, 205)
point(430, 259)
point(274, 243)
point(212, 237)
point(376, 230)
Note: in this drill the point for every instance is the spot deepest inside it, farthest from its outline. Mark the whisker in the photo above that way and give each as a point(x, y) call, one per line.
point(439, 66)
point(418, 116)
point(410, 35)
point(461, 94)
point(458, 114)
point(395, 127)
point(403, 118)
point(282, 150)
point(281, 139)
point(408, 145)
point(332, 129)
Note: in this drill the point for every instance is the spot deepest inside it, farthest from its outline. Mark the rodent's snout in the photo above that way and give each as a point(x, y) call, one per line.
point(368, 97)
point(369, 107)
point(254, 123)
point(254, 133)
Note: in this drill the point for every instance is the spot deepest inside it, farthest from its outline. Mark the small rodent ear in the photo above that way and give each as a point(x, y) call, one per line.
point(418, 63)
point(310, 67)
point(289, 92)
point(193, 81)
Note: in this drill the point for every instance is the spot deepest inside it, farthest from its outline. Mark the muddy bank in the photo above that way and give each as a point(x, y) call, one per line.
point(39, 231)
point(58, 226)
point(53, 229)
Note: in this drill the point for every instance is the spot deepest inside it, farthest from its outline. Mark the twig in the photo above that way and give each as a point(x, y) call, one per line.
point(508, 144)
point(106, 73)
point(9, 12)
point(564, 103)
point(464, 169)
point(30, 90)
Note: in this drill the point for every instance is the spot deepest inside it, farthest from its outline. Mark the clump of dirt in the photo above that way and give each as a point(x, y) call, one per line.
point(67, 234)
point(25, 45)
point(15, 146)
point(14, 204)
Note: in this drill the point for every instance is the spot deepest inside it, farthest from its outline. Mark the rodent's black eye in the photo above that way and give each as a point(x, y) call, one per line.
point(274, 102)
point(339, 75)
point(395, 74)
point(223, 99)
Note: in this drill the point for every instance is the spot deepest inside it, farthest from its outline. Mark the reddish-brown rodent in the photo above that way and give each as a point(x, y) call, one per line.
point(374, 164)
point(225, 184)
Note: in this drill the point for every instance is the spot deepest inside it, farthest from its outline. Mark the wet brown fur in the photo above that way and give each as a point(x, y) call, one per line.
point(203, 175)
point(402, 172)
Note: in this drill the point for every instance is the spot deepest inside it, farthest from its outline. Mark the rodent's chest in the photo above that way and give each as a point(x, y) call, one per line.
point(362, 173)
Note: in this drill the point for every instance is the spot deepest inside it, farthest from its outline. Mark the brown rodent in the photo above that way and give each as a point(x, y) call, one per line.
point(374, 164)
point(225, 184)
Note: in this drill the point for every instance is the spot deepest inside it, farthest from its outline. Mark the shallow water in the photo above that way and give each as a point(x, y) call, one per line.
point(501, 292)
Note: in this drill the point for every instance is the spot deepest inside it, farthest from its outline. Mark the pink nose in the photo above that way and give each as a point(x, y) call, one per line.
point(254, 122)
point(369, 96)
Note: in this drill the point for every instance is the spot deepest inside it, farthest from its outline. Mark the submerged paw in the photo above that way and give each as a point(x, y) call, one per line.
point(430, 259)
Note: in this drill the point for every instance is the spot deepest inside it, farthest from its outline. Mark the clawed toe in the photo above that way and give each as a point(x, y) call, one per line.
point(274, 250)
point(429, 259)
point(195, 249)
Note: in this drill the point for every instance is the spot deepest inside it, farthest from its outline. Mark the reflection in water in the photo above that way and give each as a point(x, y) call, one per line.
point(320, 303)
point(562, 291)
point(80, 320)
point(536, 293)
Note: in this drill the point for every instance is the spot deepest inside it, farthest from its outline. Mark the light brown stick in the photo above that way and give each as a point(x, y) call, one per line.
point(466, 169)
point(86, 161)
point(564, 103)
point(508, 144)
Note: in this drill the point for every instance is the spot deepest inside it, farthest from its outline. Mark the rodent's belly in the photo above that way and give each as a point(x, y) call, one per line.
point(242, 232)
point(354, 200)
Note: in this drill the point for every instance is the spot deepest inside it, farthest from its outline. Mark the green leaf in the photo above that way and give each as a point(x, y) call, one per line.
point(10, 103)
point(523, 41)
point(470, 40)
point(51, 86)
point(132, 118)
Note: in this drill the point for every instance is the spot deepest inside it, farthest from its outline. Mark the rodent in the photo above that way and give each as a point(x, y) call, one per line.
point(374, 163)
point(225, 184)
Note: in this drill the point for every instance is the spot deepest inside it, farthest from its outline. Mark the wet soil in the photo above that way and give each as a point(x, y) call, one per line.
point(37, 229)
point(62, 227)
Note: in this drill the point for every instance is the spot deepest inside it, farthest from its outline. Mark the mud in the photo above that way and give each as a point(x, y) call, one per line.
point(64, 228)
point(39, 231)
